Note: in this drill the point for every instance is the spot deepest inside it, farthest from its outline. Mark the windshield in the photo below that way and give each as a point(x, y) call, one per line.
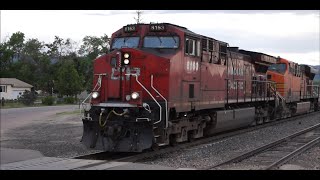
point(130, 42)
point(280, 68)
point(161, 42)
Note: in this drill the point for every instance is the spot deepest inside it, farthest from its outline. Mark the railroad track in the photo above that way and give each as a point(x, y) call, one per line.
point(277, 153)
point(108, 156)
point(136, 157)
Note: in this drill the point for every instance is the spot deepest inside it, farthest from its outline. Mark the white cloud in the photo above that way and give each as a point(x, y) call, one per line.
point(239, 28)
point(281, 24)
point(44, 25)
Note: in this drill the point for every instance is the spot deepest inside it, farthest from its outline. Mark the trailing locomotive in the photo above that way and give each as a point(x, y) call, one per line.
point(163, 84)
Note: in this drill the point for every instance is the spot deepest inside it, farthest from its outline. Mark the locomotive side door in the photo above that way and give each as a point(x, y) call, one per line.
point(191, 71)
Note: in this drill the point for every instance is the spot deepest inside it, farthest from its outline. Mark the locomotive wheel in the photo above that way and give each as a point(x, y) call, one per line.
point(254, 123)
point(172, 140)
point(259, 120)
point(266, 119)
point(190, 136)
point(155, 147)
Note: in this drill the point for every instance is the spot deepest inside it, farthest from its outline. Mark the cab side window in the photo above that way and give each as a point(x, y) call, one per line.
point(192, 47)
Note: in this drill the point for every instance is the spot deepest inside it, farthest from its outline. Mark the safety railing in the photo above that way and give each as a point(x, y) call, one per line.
point(259, 90)
point(96, 88)
point(162, 98)
point(154, 99)
point(311, 91)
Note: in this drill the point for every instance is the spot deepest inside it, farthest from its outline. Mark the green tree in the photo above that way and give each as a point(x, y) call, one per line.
point(32, 50)
point(94, 46)
point(45, 74)
point(58, 52)
point(91, 48)
point(60, 48)
point(5, 59)
point(16, 44)
point(68, 80)
point(9, 51)
point(35, 65)
point(41, 64)
point(25, 72)
point(54, 48)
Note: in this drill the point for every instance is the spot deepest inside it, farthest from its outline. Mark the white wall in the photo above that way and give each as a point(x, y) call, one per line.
point(6, 95)
point(13, 93)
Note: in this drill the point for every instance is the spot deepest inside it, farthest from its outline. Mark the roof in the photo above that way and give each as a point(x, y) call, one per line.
point(15, 82)
point(181, 28)
point(242, 50)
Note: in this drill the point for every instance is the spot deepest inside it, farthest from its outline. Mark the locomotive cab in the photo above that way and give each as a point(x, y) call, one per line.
point(288, 78)
point(294, 85)
point(276, 73)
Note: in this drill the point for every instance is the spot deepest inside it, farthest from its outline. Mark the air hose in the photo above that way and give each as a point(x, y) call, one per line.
point(105, 122)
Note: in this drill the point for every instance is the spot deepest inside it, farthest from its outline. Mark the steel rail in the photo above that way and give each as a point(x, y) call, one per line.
point(298, 151)
point(264, 147)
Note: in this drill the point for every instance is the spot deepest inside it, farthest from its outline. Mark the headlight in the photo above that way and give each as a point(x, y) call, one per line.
point(128, 97)
point(126, 55)
point(95, 95)
point(126, 61)
point(135, 95)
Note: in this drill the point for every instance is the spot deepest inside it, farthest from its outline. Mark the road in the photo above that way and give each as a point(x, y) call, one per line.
point(18, 117)
point(28, 133)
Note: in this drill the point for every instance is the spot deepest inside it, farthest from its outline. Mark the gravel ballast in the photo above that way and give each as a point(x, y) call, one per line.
point(57, 136)
point(308, 160)
point(210, 154)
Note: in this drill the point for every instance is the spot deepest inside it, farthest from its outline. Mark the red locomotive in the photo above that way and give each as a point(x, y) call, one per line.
point(162, 84)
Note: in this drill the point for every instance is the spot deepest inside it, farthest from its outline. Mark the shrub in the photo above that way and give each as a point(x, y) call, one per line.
point(60, 100)
point(49, 100)
point(28, 97)
point(69, 100)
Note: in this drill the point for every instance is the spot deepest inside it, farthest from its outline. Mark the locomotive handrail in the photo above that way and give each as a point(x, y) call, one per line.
point(149, 94)
point(264, 95)
point(311, 91)
point(98, 83)
point(162, 98)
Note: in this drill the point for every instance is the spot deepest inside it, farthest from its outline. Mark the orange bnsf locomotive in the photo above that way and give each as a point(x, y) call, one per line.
point(163, 84)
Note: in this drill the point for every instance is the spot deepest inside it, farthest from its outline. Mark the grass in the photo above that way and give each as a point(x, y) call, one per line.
point(38, 103)
point(9, 105)
point(68, 112)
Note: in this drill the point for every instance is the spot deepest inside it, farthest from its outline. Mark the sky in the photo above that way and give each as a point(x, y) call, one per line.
point(293, 35)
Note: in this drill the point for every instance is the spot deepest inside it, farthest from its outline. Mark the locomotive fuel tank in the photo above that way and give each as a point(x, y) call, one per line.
point(232, 119)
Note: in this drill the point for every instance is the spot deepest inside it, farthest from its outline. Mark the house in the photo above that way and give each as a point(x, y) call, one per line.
point(12, 88)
